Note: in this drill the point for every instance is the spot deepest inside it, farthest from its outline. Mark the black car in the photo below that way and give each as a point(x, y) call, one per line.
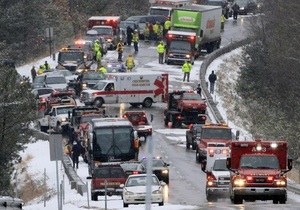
point(159, 168)
point(247, 6)
point(112, 65)
point(193, 135)
point(133, 167)
point(90, 78)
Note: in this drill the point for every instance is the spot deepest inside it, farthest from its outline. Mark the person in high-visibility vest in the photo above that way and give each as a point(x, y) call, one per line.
point(167, 26)
point(98, 58)
point(41, 70)
point(135, 41)
point(161, 52)
point(155, 30)
point(130, 63)
point(120, 50)
point(222, 21)
point(146, 33)
point(186, 68)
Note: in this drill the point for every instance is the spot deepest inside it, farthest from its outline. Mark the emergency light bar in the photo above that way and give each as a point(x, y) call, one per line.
point(219, 124)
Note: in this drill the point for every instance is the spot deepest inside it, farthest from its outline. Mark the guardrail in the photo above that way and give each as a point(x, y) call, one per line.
point(210, 102)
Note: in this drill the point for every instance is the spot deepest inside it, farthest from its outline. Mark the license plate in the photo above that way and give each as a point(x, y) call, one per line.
point(260, 190)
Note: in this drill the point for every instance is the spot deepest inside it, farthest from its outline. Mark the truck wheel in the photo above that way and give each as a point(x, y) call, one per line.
point(147, 103)
point(125, 205)
point(237, 200)
point(187, 144)
point(210, 198)
point(161, 203)
point(275, 201)
point(98, 102)
point(134, 104)
point(94, 197)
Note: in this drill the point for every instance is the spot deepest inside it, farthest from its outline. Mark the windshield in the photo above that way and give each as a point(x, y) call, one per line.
point(66, 73)
point(113, 141)
point(92, 76)
point(155, 163)
point(259, 161)
point(124, 25)
point(85, 119)
point(220, 165)
point(191, 97)
point(70, 56)
point(109, 172)
point(180, 45)
point(155, 11)
point(55, 80)
point(214, 133)
point(99, 86)
point(102, 30)
point(39, 79)
point(140, 181)
point(64, 110)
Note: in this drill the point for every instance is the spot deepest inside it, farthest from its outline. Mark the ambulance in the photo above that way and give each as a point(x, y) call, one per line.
point(135, 88)
point(217, 174)
point(258, 171)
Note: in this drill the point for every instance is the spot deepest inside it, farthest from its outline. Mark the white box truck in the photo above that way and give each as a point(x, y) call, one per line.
point(134, 88)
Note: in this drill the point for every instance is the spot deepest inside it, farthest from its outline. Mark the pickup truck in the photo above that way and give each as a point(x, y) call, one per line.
point(193, 135)
point(56, 117)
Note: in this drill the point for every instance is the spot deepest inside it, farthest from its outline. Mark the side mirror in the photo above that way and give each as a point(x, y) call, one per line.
point(203, 166)
point(228, 163)
point(290, 164)
point(237, 135)
point(201, 33)
point(89, 177)
point(122, 185)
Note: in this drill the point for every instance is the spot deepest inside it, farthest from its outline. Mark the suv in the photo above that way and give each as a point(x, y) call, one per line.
point(193, 135)
point(140, 123)
point(111, 173)
point(159, 168)
point(143, 19)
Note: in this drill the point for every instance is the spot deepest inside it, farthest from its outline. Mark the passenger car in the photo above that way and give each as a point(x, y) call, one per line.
point(159, 168)
point(191, 101)
point(247, 6)
point(133, 167)
point(90, 78)
point(123, 29)
point(68, 75)
point(113, 65)
point(113, 174)
point(43, 92)
point(56, 81)
point(134, 190)
point(193, 135)
point(140, 122)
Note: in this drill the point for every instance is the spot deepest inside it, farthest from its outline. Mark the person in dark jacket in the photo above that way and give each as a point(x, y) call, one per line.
point(235, 9)
point(212, 79)
point(198, 89)
point(76, 151)
point(129, 33)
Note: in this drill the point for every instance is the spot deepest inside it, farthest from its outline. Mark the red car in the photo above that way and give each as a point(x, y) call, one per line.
point(191, 101)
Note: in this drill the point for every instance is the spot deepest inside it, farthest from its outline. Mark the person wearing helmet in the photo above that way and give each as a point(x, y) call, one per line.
point(161, 52)
point(41, 70)
point(130, 62)
point(167, 26)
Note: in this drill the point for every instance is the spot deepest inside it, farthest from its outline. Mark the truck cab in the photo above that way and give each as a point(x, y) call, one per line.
point(180, 47)
point(71, 59)
point(258, 171)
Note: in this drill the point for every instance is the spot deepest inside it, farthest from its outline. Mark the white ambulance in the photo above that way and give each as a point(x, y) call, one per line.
point(217, 174)
point(135, 88)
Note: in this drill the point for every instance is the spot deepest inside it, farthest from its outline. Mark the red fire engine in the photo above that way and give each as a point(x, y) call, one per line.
point(259, 171)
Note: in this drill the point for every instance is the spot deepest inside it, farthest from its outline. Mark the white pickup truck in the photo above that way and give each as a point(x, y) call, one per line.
point(56, 118)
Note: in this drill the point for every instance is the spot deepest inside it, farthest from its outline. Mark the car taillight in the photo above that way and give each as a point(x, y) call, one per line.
point(149, 130)
point(249, 179)
point(135, 172)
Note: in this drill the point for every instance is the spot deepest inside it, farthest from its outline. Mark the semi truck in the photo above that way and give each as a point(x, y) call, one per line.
point(165, 7)
point(134, 88)
point(184, 107)
point(258, 171)
point(204, 21)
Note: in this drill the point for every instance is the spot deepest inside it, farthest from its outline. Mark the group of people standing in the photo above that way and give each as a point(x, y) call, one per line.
point(41, 70)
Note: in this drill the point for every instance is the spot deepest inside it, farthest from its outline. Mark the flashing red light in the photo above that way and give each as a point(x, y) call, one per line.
point(179, 117)
point(170, 36)
point(135, 172)
point(144, 115)
point(125, 116)
point(203, 118)
point(225, 151)
point(270, 179)
point(211, 152)
point(249, 178)
point(192, 38)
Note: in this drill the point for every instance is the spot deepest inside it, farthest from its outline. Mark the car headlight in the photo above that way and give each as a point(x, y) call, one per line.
point(129, 193)
point(281, 183)
point(156, 192)
point(165, 172)
point(188, 56)
point(63, 120)
point(84, 85)
point(171, 55)
point(239, 183)
point(242, 8)
point(109, 40)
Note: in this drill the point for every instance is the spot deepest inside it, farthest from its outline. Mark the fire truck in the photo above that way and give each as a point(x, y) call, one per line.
point(134, 88)
point(180, 47)
point(258, 171)
point(217, 174)
point(219, 133)
point(184, 107)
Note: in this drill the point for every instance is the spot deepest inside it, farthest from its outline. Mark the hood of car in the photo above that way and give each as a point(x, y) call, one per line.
point(142, 189)
point(58, 86)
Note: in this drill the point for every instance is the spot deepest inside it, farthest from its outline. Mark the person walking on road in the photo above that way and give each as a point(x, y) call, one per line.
point(129, 33)
point(186, 69)
point(222, 22)
point(33, 73)
point(135, 41)
point(130, 63)
point(161, 52)
point(167, 26)
point(76, 151)
point(235, 9)
point(198, 89)
point(212, 79)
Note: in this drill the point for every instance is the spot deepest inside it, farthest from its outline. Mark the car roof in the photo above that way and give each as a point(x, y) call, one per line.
point(140, 175)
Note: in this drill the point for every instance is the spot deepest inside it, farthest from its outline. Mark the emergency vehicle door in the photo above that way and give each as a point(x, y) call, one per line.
point(110, 96)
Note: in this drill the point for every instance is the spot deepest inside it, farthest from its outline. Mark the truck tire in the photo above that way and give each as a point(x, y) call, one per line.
point(125, 205)
point(98, 102)
point(161, 203)
point(94, 197)
point(237, 200)
point(134, 104)
point(187, 144)
point(147, 103)
point(211, 198)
